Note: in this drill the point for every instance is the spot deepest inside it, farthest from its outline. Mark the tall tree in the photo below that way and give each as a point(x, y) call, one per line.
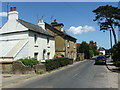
point(108, 17)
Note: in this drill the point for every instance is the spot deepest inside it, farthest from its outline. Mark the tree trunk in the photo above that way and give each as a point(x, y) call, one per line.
point(114, 35)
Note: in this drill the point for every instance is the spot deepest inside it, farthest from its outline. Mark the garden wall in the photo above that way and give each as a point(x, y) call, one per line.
point(17, 67)
point(80, 56)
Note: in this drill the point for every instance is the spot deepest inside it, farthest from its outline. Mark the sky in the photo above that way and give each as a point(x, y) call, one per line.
point(77, 18)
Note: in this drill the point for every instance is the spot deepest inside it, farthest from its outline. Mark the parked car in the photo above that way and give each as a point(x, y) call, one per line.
point(100, 59)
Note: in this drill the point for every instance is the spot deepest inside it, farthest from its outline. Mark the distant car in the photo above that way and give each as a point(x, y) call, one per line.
point(100, 59)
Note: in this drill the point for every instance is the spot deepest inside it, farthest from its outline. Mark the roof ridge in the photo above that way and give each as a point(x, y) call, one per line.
point(34, 27)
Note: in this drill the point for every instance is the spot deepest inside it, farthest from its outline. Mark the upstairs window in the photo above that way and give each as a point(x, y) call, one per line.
point(74, 45)
point(35, 38)
point(48, 40)
point(68, 44)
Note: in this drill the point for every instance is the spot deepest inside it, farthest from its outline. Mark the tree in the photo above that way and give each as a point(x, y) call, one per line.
point(84, 48)
point(91, 53)
point(108, 17)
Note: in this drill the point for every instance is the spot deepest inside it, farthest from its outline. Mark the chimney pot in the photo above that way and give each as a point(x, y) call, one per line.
point(11, 8)
point(14, 8)
point(54, 20)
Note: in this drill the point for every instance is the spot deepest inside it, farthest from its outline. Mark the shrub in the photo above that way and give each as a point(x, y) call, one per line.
point(96, 52)
point(56, 63)
point(91, 53)
point(116, 52)
point(29, 62)
point(117, 63)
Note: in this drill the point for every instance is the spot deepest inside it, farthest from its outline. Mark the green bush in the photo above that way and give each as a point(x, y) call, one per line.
point(56, 63)
point(117, 63)
point(96, 52)
point(91, 53)
point(116, 52)
point(29, 62)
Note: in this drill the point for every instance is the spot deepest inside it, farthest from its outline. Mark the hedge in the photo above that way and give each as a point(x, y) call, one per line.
point(29, 62)
point(56, 63)
point(116, 52)
point(117, 63)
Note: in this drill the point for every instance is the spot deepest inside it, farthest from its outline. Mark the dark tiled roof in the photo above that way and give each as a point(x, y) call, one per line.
point(58, 31)
point(34, 28)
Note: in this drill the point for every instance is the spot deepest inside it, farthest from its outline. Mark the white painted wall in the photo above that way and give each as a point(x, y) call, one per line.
point(11, 32)
point(13, 36)
point(23, 53)
point(40, 45)
point(12, 26)
point(103, 51)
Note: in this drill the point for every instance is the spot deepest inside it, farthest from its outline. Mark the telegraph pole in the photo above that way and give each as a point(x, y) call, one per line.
point(7, 9)
point(110, 39)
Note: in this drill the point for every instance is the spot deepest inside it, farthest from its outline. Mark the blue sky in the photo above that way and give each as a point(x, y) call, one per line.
point(76, 14)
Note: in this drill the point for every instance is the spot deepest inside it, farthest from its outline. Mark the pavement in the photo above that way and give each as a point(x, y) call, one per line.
point(113, 72)
point(111, 66)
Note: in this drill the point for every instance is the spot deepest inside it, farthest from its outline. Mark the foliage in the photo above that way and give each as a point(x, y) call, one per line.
point(91, 53)
point(88, 50)
point(56, 63)
point(96, 52)
point(108, 17)
point(29, 62)
point(94, 49)
point(108, 51)
point(84, 48)
point(117, 63)
point(116, 52)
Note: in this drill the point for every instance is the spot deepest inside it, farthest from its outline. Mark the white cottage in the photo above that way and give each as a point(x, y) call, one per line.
point(21, 39)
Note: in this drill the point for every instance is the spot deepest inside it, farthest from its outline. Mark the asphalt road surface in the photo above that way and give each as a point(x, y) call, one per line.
point(80, 75)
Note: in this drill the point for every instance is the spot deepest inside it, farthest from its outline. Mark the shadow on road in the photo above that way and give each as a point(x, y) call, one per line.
point(111, 66)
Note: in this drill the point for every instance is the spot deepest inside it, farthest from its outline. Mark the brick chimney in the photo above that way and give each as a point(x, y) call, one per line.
point(58, 26)
point(13, 14)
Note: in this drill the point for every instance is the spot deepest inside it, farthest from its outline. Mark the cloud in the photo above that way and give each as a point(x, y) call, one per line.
point(3, 14)
point(80, 29)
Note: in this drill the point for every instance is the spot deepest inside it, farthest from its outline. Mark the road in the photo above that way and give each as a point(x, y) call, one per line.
point(80, 75)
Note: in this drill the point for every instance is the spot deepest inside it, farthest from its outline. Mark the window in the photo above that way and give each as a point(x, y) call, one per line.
point(44, 51)
point(35, 38)
point(48, 55)
point(74, 45)
point(48, 40)
point(68, 44)
point(35, 55)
